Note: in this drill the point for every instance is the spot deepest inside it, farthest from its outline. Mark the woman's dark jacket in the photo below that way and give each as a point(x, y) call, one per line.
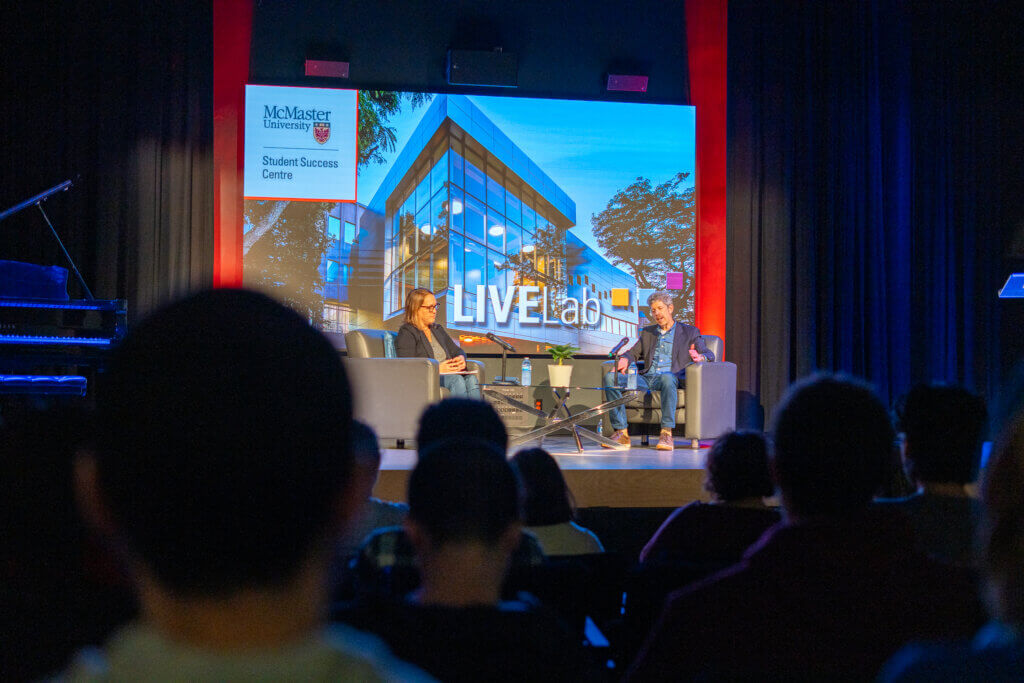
point(413, 343)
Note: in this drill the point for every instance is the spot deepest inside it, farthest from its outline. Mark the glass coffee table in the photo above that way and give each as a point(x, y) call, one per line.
point(561, 417)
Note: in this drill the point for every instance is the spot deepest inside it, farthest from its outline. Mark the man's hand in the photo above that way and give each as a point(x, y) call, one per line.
point(694, 356)
point(622, 364)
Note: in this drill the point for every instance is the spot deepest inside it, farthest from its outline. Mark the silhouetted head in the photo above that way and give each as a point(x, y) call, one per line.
point(943, 427)
point(547, 499)
point(225, 443)
point(459, 417)
point(737, 467)
point(832, 441)
point(463, 490)
point(365, 447)
point(1002, 529)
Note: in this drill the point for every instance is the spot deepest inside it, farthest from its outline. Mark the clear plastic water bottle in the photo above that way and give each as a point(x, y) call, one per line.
point(631, 376)
point(527, 374)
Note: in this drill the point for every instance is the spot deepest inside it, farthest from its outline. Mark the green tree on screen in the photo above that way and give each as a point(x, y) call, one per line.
point(651, 230)
point(376, 137)
point(285, 261)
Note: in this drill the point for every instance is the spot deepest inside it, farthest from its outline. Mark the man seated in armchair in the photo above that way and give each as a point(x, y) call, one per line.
point(666, 349)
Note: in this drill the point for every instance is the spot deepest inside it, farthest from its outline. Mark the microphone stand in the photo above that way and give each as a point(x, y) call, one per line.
point(503, 380)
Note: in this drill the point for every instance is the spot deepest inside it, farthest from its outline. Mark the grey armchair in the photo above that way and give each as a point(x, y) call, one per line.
point(707, 404)
point(390, 394)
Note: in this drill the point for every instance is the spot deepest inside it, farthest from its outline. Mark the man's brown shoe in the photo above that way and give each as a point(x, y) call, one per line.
point(620, 436)
point(665, 443)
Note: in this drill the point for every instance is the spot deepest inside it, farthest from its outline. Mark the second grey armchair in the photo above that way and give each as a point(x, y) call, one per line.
point(707, 404)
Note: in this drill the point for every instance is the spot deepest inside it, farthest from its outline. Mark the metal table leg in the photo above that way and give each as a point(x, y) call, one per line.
point(553, 423)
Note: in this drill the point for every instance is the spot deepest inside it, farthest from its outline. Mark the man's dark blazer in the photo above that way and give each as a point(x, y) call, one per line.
point(412, 343)
point(683, 336)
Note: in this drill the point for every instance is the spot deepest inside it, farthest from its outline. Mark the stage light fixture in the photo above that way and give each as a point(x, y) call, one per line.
point(1014, 287)
point(627, 83)
point(326, 68)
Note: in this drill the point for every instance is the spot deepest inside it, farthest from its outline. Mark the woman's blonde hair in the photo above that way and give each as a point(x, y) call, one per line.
point(413, 302)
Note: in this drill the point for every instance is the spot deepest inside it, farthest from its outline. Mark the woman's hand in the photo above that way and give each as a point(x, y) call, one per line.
point(456, 364)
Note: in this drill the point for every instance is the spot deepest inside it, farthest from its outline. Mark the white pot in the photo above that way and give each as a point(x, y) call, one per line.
point(559, 375)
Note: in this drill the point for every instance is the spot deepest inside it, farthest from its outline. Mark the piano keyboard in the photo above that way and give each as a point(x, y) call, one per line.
point(51, 340)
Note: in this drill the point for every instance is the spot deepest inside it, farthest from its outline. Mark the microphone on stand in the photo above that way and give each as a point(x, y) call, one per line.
point(614, 353)
point(500, 342)
point(618, 347)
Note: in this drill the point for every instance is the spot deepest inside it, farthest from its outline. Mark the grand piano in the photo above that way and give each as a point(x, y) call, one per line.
point(49, 342)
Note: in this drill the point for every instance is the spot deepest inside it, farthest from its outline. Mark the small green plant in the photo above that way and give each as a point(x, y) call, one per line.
point(562, 352)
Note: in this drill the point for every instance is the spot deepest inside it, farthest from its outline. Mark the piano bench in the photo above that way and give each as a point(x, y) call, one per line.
point(50, 385)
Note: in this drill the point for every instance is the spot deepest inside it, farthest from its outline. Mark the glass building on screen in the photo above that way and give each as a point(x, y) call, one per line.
point(463, 205)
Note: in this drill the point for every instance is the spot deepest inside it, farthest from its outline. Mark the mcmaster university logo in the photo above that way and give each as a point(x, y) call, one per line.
point(321, 131)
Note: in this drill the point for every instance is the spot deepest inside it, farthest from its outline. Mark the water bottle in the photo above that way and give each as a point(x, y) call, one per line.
point(527, 373)
point(631, 376)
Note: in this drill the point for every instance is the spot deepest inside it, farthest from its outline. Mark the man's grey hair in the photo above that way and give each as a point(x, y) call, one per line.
point(662, 296)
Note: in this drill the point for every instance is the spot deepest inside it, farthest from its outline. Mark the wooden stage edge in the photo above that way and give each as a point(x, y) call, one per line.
point(637, 478)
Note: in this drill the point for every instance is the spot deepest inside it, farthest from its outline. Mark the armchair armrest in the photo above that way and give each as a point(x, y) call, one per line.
point(478, 369)
point(710, 399)
point(390, 394)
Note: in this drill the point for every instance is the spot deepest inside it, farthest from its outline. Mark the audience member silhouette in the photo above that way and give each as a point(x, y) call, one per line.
point(456, 417)
point(60, 588)
point(942, 429)
point(224, 467)
point(387, 553)
point(464, 523)
point(996, 653)
point(375, 513)
point(548, 506)
point(716, 534)
point(832, 592)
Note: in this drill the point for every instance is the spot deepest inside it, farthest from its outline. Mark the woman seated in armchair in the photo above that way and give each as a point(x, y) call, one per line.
point(421, 337)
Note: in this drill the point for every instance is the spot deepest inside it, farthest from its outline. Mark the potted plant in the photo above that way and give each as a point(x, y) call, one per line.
point(558, 373)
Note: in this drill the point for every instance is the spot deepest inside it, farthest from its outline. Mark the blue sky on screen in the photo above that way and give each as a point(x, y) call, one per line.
point(590, 149)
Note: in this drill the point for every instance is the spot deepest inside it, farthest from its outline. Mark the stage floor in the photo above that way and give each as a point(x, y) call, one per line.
point(639, 477)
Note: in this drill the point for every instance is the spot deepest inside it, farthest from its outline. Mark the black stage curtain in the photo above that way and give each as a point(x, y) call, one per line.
point(119, 93)
point(873, 149)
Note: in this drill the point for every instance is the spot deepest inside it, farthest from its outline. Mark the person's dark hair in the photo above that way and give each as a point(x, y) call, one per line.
point(832, 439)
point(737, 466)
point(1001, 533)
point(457, 417)
point(365, 447)
point(547, 499)
point(225, 441)
point(944, 426)
point(463, 490)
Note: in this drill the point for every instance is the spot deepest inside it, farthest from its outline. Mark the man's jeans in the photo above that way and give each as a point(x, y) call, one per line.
point(667, 383)
point(466, 386)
